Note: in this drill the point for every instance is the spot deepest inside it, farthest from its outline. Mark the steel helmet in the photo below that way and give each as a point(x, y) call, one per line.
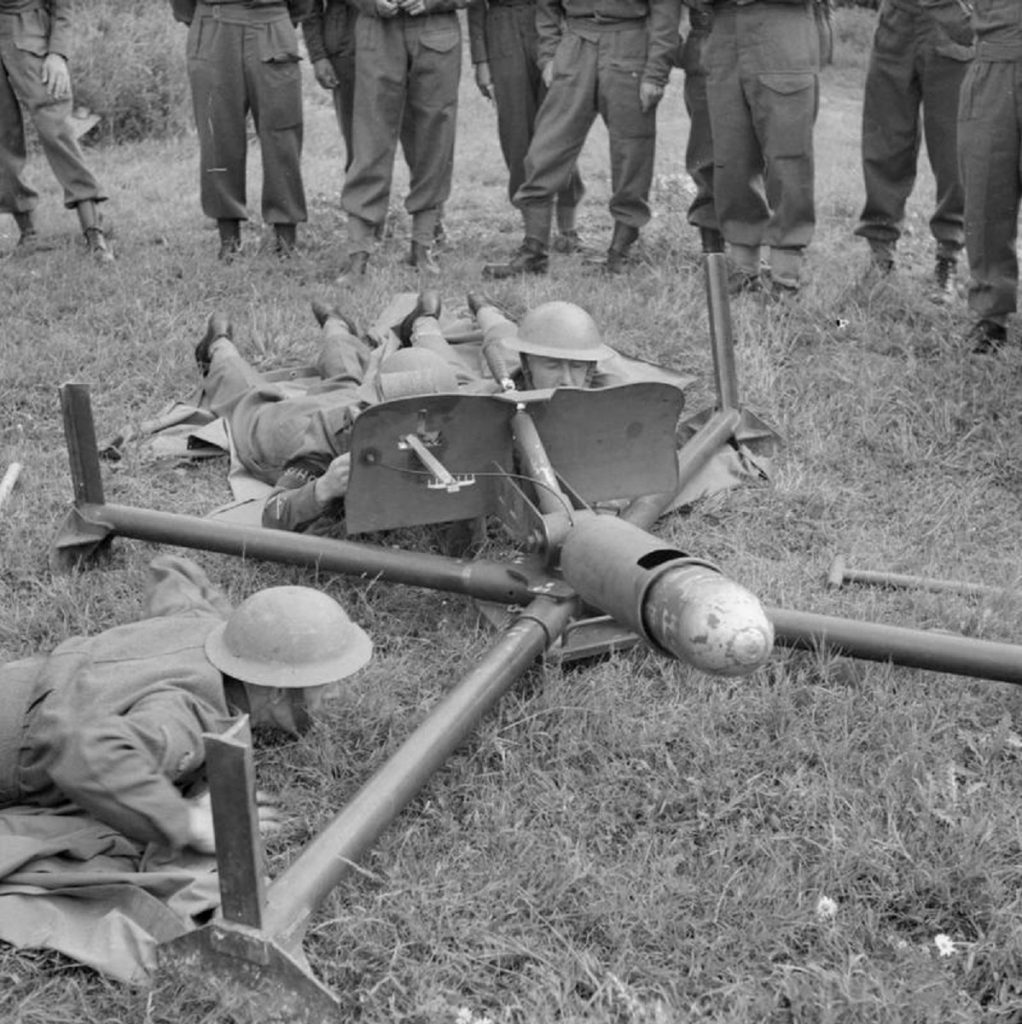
point(559, 330)
point(415, 371)
point(288, 637)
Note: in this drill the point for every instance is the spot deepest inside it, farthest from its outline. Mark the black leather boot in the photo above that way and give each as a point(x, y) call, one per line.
point(422, 256)
point(427, 304)
point(95, 238)
point(531, 258)
point(621, 242)
point(230, 239)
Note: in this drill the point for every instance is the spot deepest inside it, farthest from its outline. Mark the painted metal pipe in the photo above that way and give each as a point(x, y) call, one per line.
point(296, 894)
point(718, 429)
point(536, 464)
point(914, 648)
point(721, 334)
point(488, 581)
point(840, 574)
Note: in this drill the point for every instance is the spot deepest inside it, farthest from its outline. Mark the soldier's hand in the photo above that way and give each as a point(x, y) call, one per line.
point(650, 95)
point(56, 77)
point(200, 823)
point(484, 80)
point(333, 484)
point(324, 72)
point(548, 73)
point(200, 819)
point(386, 9)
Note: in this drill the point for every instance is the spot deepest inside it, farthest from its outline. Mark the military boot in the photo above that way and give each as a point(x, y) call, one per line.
point(422, 256)
point(621, 242)
point(28, 237)
point(530, 258)
point(567, 239)
point(711, 239)
point(945, 275)
point(354, 269)
point(230, 239)
point(285, 240)
point(95, 238)
point(427, 304)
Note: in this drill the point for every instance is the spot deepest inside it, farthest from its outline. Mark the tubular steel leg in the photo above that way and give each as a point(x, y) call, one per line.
point(915, 648)
point(721, 335)
point(489, 581)
point(295, 895)
point(840, 574)
point(549, 496)
point(264, 968)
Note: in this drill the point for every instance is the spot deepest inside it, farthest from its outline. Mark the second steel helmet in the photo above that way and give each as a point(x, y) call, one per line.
point(288, 637)
point(559, 330)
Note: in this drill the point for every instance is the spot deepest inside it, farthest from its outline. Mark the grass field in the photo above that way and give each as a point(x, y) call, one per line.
point(630, 841)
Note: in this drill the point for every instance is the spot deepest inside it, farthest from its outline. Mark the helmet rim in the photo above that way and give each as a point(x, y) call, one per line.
point(356, 649)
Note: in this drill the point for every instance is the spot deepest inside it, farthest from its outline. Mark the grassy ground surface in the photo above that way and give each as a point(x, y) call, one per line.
point(630, 841)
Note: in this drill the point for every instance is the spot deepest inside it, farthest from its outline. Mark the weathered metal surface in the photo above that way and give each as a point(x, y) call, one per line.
point(389, 485)
point(616, 442)
point(239, 849)
point(247, 972)
point(295, 895)
point(722, 343)
point(841, 573)
point(914, 648)
point(680, 605)
point(83, 452)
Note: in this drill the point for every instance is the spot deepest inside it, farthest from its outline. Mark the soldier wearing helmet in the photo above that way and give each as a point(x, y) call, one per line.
point(558, 343)
point(113, 723)
point(300, 443)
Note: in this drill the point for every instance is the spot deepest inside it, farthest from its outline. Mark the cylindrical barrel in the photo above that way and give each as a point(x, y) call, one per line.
point(721, 335)
point(536, 464)
point(293, 897)
point(915, 648)
point(680, 605)
point(488, 581)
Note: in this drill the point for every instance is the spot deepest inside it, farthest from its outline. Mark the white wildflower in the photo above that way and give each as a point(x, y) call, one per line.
point(945, 944)
point(826, 909)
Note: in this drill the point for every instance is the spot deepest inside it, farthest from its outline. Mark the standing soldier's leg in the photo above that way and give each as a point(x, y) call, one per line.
point(432, 104)
point(339, 33)
point(562, 124)
point(990, 151)
point(632, 138)
point(381, 81)
point(17, 197)
point(699, 148)
point(22, 53)
point(217, 76)
point(517, 85)
point(890, 130)
point(738, 194)
point(785, 101)
point(274, 86)
point(942, 82)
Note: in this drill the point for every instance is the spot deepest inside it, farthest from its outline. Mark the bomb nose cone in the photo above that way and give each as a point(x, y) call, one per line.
point(709, 621)
point(752, 646)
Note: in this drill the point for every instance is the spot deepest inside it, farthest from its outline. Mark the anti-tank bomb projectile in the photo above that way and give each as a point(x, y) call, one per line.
point(679, 605)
